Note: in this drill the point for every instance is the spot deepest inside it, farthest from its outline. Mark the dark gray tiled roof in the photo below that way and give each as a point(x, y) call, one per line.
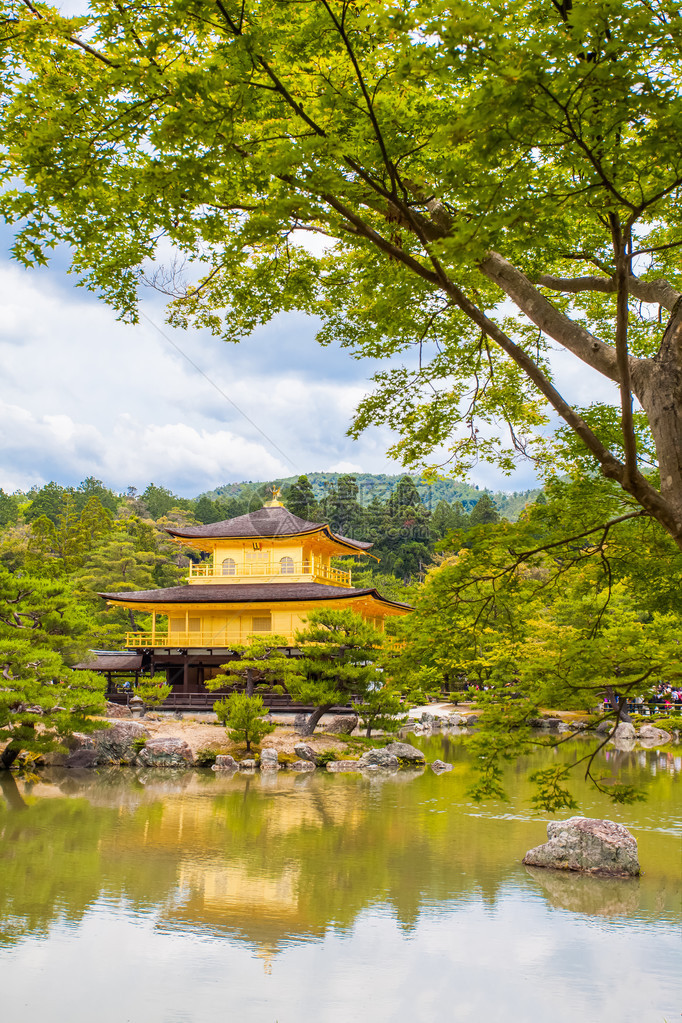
point(264, 523)
point(111, 662)
point(247, 593)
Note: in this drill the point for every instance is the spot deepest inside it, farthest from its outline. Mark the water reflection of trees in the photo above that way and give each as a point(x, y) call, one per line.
point(281, 857)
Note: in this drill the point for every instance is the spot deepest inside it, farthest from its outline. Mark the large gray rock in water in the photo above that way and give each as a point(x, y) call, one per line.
point(116, 743)
point(379, 758)
point(224, 762)
point(650, 736)
point(304, 751)
point(269, 760)
point(342, 724)
point(247, 765)
point(165, 753)
point(302, 765)
point(405, 753)
point(588, 844)
point(624, 731)
point(439, 766)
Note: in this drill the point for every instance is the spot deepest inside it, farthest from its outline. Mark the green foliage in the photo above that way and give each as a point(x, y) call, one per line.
point(206, 756)
point(263, 663)
point(42, 700)
point(327, 756)
point(557, 610)
point(453, 154)
point(243, 718)
point(9, 509)
point(158, 500)
point(381, 707)
point(484, 512)
point(60, 545)
point(340, 654)
point(153, 693)
point(300, 499)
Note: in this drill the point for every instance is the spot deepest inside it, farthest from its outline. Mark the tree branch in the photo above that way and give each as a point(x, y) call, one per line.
point(551, 321)
point(656, 292)
point(75, 40)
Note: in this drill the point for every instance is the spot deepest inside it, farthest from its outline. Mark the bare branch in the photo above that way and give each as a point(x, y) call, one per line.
point(550, 320)
point(656, 292)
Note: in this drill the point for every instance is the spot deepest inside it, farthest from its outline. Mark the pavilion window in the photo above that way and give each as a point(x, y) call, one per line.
point(261, 623)
point(286, 566)
point(229, 566)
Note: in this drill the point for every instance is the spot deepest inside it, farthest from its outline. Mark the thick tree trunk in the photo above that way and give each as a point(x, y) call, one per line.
point(311, 723)
point(8, 756)
point(658, 387)
point(251, 675)
point(617, 705)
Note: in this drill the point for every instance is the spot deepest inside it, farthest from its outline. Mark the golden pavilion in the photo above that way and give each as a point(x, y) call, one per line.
point(265, 572)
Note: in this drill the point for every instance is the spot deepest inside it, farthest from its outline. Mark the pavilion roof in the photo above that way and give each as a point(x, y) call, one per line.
point(248, 593)
point(265, 523)
point(115, 661)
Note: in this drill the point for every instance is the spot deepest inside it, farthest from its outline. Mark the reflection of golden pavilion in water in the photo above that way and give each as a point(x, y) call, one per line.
point(252, 894)
point(265, 572)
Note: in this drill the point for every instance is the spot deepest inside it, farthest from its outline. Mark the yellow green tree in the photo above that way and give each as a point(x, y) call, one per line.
point(492, 181)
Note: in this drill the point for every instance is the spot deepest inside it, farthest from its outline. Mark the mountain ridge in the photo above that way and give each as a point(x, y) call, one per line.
point(382, 485)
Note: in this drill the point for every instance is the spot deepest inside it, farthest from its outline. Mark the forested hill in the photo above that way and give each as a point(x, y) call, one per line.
point(381, 487)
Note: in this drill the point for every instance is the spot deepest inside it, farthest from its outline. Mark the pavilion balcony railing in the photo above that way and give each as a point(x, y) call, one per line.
point(195, 638)
point(314, 569)
point(215, 639)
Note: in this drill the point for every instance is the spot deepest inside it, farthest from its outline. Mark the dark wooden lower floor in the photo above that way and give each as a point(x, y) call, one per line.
point(204, 702)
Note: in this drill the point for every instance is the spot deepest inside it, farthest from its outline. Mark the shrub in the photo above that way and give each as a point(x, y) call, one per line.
point(243, 718)
point(206, 757)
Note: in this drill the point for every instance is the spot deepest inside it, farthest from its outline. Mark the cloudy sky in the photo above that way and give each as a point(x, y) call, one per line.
point(82, 395)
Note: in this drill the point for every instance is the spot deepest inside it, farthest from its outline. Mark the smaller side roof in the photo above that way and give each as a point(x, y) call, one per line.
point(116, 661)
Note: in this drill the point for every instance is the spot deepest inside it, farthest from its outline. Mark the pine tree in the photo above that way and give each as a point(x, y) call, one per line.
point(300, 500)
point(243, 717)
point(484, 511)
point(340, 651)
point(261, 663)
point(42, 701)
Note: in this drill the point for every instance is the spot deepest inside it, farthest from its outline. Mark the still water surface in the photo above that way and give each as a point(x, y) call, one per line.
point(194, 897)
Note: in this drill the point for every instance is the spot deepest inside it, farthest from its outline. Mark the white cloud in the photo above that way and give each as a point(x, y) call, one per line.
point(132, 452)
point(345, 467)
point(87, 395)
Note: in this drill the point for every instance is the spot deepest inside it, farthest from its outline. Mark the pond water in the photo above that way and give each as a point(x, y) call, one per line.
point(195, 897)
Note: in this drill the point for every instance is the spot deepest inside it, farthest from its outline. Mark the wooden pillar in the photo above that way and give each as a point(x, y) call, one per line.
point(185, 676)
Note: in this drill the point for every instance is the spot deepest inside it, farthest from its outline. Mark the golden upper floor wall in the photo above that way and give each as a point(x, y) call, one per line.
point(284, 561)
